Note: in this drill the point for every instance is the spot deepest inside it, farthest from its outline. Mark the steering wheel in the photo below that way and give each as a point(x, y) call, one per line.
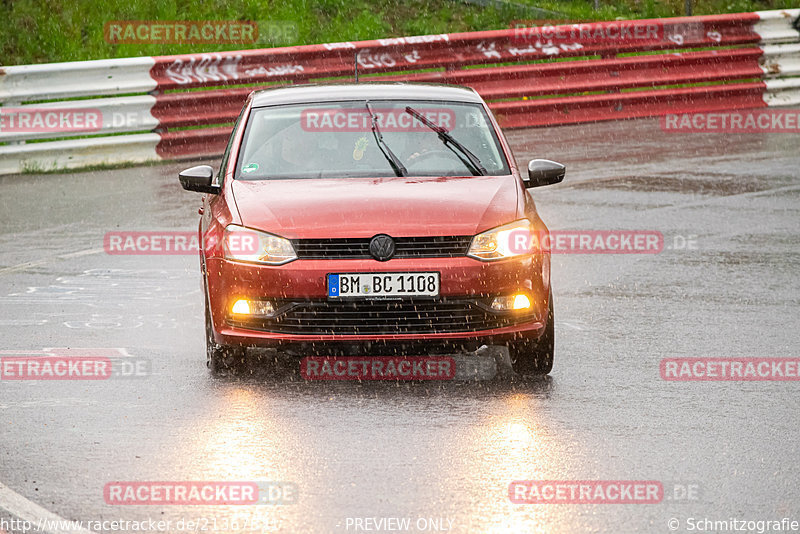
point(417, 158)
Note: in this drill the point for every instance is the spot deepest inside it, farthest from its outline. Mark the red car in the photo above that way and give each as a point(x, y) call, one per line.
point(372, 218)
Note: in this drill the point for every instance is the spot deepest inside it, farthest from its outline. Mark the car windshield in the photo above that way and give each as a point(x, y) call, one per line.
point(341, 140)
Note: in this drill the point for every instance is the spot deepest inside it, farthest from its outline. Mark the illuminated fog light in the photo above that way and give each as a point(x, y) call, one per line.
point(511, 302)
point(256, 308)
point(241, 307)
point(521, 302)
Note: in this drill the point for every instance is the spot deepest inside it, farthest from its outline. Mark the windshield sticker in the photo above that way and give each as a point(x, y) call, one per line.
point(250, 168)
point(361, 146)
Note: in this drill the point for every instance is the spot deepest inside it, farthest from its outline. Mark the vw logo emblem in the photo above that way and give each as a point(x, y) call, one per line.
point(382, 247)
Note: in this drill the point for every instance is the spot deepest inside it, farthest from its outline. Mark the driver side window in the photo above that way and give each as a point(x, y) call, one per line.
point(226, 155)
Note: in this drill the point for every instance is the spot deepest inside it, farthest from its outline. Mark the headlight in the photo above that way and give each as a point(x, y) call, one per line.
point(244, 244)
point(507, 241)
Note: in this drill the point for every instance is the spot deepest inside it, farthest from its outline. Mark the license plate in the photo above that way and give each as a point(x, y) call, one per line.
point(377, 285)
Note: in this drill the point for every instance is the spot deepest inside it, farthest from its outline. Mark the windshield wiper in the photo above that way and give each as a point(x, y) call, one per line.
point(399, 168)
point(474, 163)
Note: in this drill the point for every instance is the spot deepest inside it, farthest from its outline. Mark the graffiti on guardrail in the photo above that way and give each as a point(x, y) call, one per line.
point(369, 60)
point(206, 68)
point(278, 70)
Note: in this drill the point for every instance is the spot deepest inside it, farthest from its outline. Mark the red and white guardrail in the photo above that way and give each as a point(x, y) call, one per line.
point(692, 64)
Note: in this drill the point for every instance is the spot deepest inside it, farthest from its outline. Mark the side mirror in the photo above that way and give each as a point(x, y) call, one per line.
point(544, 172)
point(199, 179)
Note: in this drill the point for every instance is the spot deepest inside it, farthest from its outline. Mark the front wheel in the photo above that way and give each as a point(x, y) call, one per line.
point(535, 357)
point(221, 359)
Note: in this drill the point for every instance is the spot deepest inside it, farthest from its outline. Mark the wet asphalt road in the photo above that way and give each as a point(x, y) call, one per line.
point(429, 450)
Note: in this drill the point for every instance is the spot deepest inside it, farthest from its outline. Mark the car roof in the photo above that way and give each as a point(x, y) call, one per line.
point(300, 94)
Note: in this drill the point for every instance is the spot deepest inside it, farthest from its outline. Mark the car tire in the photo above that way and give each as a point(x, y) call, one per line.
point(535, 357)
point(221, 359)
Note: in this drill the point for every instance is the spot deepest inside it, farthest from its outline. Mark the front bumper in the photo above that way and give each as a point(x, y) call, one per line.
point(460, 314)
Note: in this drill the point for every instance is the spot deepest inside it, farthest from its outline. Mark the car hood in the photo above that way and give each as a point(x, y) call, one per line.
point(363, 207)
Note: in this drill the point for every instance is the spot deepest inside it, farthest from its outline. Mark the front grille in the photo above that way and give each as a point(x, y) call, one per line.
point(384, 317)
point(405, 247)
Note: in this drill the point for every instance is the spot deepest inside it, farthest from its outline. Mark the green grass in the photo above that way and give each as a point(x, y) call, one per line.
point(41, 31)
